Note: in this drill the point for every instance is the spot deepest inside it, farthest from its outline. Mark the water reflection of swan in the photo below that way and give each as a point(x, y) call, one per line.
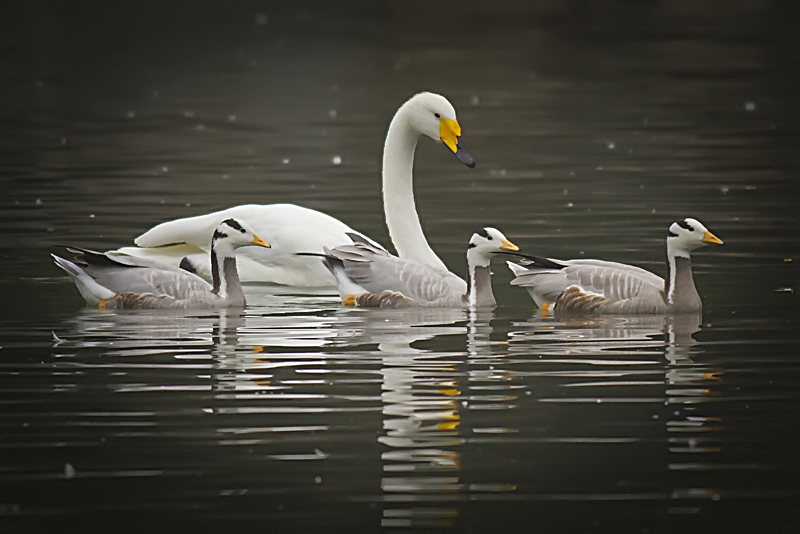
point(420, 396)
point(424, 394)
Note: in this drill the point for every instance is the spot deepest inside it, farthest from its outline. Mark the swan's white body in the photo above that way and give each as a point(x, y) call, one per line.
point(291, 229)
point(294, 229)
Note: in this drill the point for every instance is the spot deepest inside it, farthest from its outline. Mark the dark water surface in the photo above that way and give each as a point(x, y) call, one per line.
point(593, 128)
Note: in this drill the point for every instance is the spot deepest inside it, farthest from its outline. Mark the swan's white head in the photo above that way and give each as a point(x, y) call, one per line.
point(232, 234)
point(433, 115)
point(689, 234)
point(486, 242)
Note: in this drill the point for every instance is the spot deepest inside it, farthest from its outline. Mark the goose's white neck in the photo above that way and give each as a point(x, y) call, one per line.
point(224, 275)
point(672, 270)
point(477, 259)
point(677, 274)
point(479, 277)
point(398, 192)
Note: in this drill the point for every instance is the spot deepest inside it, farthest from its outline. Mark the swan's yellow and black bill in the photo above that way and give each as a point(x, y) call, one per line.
point(260, 242)
point(450, 133)
point(509, 246)
point(710, 239)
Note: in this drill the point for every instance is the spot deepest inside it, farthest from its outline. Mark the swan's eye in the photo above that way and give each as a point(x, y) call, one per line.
point(437, 115)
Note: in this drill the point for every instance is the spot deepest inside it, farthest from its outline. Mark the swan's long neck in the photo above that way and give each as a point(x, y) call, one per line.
point(398, 193)
point(679, 289)
point(224, 275)
point(479, 277)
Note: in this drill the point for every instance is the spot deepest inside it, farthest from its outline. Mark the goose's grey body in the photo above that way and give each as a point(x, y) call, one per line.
point(116, 280)
point(597, 286)
point(371, 277)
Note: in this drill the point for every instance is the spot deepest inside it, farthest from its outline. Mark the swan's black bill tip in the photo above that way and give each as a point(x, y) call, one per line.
point(463, 156)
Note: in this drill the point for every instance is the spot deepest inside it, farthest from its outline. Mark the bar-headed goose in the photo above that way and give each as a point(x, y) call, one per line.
point(294, 229)
point(116, 280)
point(371, 277)
point(597, 286)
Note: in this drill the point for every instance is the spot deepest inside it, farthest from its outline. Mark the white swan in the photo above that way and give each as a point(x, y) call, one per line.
point(294, 229)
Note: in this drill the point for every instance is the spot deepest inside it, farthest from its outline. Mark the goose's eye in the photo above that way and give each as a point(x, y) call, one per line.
point(437, 115)
point(489, 237)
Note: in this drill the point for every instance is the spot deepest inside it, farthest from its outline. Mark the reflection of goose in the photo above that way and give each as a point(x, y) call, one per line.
point(607, 287)
point(371, 277)
point(114, 280)
point(605, 331)
point(293, 229)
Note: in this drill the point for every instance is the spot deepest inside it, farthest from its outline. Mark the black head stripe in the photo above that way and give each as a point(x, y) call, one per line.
point(472, 245)
point(233, 223)
point(483, 233)
point(219, 235)
point(670, 234)
point(685, 225)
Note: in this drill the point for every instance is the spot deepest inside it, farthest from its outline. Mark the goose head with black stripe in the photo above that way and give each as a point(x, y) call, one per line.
point(484, 244)
point(229, 236)
point(683, 237)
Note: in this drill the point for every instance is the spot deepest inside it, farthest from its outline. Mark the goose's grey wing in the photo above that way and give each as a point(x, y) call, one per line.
point(121, 273)
point(377, 271)
point(130, 300)
point(610, 280)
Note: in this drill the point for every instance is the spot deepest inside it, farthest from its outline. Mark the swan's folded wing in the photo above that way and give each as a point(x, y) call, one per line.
point(195, 231)
point(286, 226)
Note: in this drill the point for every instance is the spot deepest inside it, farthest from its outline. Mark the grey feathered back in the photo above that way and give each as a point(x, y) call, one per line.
point(601, 286)
point(374, 270)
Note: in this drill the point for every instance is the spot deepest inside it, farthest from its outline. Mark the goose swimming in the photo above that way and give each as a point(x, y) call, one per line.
point(294, 229)
point(597, 286)
point(368, 276)
point(116, 280)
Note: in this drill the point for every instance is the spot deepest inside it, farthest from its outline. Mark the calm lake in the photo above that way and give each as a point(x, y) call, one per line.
point(594, 127)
